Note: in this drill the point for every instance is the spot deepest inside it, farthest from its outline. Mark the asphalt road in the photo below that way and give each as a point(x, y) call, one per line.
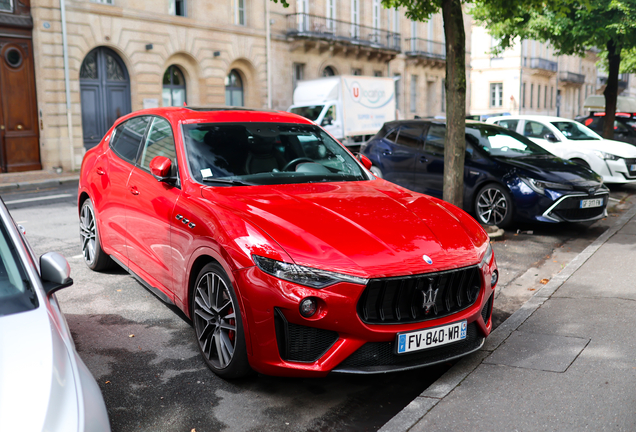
point(145, 358)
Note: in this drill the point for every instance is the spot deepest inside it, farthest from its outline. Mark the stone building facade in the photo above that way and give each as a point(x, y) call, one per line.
point(124, 55)
point(529, 78)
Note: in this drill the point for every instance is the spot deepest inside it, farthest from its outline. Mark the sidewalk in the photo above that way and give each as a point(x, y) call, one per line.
point(29, 180)
point(565, 361)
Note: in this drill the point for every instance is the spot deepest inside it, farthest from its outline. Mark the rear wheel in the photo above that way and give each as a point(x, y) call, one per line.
point(493, 206)
point(218, 323)
point(94, 256)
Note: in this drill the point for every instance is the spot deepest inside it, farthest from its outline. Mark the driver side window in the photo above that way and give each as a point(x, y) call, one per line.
point(534, 129)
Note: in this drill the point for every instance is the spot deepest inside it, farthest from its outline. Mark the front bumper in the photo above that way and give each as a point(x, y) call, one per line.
point(282, 342)
point(616, 171)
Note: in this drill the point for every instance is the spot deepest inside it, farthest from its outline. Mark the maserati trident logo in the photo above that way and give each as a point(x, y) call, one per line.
point(427, 259)
point(429, 297)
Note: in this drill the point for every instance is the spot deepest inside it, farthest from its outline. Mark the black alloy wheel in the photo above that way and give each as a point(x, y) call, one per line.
point(493, 206)
point(218, 323)
point(94, 257)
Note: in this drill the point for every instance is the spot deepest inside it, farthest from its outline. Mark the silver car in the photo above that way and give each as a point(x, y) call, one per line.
point(44, 385)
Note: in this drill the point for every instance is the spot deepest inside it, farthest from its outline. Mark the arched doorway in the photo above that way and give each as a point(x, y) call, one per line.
point(105, 93)
point(328, 71)
point(174, 87)
point(234, 89)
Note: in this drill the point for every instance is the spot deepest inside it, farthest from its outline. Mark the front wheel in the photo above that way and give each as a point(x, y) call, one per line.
point(218, 323)
point(94, 256)
point(493, 206)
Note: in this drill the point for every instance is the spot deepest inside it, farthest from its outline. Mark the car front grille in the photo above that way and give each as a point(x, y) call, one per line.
point(419, 298)
point(298, 343)
point(631, 163)
point(569, 209)
point(380, 356)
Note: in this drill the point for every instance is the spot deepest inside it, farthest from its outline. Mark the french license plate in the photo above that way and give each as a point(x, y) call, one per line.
point(632, 167)
point(429, 338)
point(589, 203)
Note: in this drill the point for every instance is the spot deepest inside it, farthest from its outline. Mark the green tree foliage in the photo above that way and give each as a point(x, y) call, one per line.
point(571, 27)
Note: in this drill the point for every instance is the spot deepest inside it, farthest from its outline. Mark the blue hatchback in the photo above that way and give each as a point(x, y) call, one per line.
point(506, 176)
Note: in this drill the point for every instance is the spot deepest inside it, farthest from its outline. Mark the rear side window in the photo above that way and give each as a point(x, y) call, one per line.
point(392, 136)
point(410, 135)
point(435, 137)
point(534, 129)
point(160, 142)
point(128, 137)
point(509, 124)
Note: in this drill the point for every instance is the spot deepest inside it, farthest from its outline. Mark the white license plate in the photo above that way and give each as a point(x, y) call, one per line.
point(429, 338)
point(632, 167)
point(589, 203)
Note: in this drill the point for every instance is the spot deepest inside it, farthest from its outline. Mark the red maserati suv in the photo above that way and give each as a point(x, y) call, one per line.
point(287, 254)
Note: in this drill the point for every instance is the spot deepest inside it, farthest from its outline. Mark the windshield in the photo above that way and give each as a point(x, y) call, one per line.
point(266, 153)
point(309, 112)
point(16, 292)
point(575, 131)
point(498, 141)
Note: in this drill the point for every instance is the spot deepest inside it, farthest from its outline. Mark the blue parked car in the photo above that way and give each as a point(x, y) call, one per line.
point(506, 177)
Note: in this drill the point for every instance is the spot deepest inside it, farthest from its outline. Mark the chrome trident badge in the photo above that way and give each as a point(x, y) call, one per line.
point(429, 297)
point(427, 259)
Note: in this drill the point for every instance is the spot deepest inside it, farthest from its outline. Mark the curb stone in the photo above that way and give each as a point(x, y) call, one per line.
point(436, 392)
point(37, 184)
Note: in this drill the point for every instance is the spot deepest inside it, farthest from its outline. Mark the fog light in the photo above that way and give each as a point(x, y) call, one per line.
point(308, 307)
point(494, 278)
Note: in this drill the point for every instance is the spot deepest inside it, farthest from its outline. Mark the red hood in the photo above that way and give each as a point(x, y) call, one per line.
point(369, 229)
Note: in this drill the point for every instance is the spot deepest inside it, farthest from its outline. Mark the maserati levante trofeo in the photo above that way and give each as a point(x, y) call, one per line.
point(288, 255)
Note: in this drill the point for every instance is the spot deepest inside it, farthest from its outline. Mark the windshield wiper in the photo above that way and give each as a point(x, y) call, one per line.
point(231, 182)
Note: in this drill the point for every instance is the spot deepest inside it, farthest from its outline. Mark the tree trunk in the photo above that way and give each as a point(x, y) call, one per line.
point(455, 145)
point(611, 89)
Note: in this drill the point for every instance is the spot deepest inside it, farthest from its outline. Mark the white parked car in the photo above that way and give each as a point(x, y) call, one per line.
point(44, 385)
point(615, 161)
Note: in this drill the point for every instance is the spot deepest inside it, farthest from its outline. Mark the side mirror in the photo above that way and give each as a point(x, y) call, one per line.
point(365, 160)
point(56, 273)
point(327, 121)
point(550, 137)
point(160, 168)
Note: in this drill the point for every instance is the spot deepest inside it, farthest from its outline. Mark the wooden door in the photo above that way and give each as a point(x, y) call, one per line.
point(19, 132)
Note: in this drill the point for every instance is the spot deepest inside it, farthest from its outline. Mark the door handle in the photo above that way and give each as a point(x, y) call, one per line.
point(387, 153)
point(423, 159)
point(1, 127)
point(134, 190)
point(19, 127)
point(100, 171)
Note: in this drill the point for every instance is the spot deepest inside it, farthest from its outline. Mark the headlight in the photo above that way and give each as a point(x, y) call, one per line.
point(301, 275)
point(606, 156)
point(540, 186)
point(487, 256)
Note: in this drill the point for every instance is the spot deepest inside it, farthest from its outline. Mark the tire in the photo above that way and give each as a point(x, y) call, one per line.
point(493, 206)
point(218, 323)
point(376, 171)
point(94, 256)
point(580, 162)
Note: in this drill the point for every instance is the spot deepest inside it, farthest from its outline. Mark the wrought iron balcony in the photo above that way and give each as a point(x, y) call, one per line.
point(541, 63)
point(571, 77)
point(302, 25)
point(623, 81)
point(424, 48)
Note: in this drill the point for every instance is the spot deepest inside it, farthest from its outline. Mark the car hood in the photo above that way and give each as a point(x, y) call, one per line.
point(552, 169)
point(37, 384)
point(368, 228)
point(617, 148)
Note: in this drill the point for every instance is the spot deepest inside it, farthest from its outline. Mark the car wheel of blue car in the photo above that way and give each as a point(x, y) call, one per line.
point(493, 206)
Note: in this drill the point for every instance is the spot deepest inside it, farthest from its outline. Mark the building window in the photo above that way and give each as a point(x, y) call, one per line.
point(355, 19)
point(376, 14)
point(377, 73)
point(413, 36)
point(523, 95)
point(539, 96)
point(551, 97)
point(108, 2)
point(331, 14)
point(6, 5)
point(239, 12)
point(398, 96)
point(299, 74)
point(178, 7)
point(443, 95)
point(496, 90)
point(545, 96)
point(328, 71)
point(413, 93)
point(233, 89)
point(356, 71)
point(174, 87)
point(531, 94)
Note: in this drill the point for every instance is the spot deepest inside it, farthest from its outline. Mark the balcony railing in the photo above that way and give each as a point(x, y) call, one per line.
point(571, 77)
point(623, 80)
point(417, 47)
point(319, 27)
point(541, 63)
